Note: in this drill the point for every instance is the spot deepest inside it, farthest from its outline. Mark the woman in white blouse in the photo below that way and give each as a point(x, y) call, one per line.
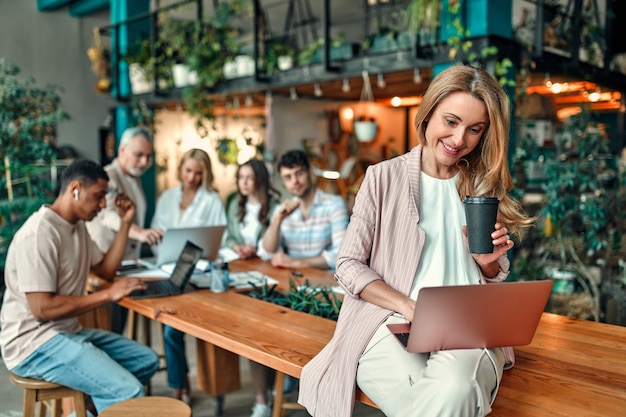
point(192, 203)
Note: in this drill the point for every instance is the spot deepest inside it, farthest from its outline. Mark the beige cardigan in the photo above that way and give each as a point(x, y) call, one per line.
point(384, 224)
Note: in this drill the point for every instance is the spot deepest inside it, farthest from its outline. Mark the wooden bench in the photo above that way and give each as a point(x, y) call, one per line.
point(572, 368)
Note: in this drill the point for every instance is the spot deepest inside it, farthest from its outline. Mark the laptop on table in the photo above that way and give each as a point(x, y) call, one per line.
point(474, 316)
point(209, 238)
point(177, 282)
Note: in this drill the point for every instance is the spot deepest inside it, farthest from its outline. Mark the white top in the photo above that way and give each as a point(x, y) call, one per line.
point(47, 254)
point(206, 209)
point(442, 217)
point(250, 226)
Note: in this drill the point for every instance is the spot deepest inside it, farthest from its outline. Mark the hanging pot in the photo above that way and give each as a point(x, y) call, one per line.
point(365, 128)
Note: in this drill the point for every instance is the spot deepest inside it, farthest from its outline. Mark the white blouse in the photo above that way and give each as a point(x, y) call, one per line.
point(206, 209)
point(445, 260)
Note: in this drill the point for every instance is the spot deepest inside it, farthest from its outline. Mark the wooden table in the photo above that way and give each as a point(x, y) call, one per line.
point(230, 324)
point(572, 368)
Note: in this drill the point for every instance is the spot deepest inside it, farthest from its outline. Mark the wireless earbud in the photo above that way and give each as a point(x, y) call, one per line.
point(76, 194)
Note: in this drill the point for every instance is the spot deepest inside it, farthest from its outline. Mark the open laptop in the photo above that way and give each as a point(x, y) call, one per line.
point(177, 282)
point(209, 238)
point(474, 316)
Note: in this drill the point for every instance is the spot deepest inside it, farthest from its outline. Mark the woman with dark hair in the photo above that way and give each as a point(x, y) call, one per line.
point(249, 209)
point(248, 212)
point(407, 231)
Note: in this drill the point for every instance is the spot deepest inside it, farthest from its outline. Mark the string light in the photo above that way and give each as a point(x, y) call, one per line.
point(417, 77)
point(546, 80)
point(345, 87)
point(380, 81)
point(317, 90)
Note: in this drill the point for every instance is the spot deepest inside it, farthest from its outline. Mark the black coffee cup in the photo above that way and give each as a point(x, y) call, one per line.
point(480, 217)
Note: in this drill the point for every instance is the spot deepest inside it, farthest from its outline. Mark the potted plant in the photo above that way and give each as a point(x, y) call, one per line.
point(227, 151)
point(422, 17)
point(214, 42)
point(28, 118)
point(365, 126)
point(339, 50)
point(583, 221)
point(279, 56)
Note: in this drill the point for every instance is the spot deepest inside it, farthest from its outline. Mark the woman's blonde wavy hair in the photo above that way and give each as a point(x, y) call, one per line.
point(207, 171)
point(484, 172)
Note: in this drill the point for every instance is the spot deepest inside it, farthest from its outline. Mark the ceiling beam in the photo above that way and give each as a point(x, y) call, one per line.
point(81, 8)
point(50, 5)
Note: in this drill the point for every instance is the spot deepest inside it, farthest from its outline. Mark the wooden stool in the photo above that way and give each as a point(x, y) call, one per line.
point(148, 406)
point(48, 395)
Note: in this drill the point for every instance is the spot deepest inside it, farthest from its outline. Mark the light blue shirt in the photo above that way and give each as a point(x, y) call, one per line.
point(321, 233)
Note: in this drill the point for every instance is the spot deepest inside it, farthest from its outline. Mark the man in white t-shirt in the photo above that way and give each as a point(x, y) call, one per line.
point(47, 265)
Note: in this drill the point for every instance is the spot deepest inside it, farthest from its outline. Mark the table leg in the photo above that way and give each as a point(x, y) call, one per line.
point(218, 369)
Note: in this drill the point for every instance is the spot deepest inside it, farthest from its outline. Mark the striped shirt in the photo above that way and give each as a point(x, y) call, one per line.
point(321, 233)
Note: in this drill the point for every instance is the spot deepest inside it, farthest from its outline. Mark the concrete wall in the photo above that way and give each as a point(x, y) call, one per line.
point(51, 47)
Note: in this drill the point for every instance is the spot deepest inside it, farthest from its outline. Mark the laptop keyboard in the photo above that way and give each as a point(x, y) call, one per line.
point(155, 288)
point(403, 338)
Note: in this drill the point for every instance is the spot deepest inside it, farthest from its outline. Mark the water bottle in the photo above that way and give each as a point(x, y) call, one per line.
point(226, 275)
point(217, 276)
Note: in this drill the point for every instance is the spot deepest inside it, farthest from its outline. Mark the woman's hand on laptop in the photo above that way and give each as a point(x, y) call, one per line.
point(123, 287)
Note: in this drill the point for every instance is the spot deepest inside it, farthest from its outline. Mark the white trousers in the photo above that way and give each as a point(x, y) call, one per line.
point(452, 383)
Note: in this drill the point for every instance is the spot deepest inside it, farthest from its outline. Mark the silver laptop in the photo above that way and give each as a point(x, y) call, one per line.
point(209, 238)
point(474, 316)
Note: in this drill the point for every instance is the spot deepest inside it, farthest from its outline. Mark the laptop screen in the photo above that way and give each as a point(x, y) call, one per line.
point(185, 264)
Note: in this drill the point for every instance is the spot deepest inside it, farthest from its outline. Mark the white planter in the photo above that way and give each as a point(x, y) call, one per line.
point(245, 65)
point(563, 281)
point(230, 70)
point(365, 131)
point(183, 76)
point(139, 83)
point(285, 63)
point(180, 74)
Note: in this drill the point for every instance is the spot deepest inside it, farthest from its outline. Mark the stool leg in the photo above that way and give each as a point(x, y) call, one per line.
point(30, 398)
point(56, 408)
point(79, 404)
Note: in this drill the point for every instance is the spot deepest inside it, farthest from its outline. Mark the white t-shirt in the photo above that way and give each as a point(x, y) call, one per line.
point(250, 226)
point(47, 254)
point(446, 259)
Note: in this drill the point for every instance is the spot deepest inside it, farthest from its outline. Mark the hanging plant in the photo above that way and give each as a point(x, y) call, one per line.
point(227, 151)
point(365, 127)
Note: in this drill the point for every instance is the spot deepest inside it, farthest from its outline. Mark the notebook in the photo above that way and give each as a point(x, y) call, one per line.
point(474, 316)
point(177, 282)
point(209, 238)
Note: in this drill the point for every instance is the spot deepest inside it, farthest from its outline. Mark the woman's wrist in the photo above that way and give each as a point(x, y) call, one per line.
point(490, 270)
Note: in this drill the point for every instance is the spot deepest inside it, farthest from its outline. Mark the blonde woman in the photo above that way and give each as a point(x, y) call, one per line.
point(407, 231)
point(194, 202)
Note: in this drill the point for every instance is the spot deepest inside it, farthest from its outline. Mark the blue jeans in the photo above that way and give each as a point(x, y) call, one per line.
point(108, 367)
point(175, 357)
